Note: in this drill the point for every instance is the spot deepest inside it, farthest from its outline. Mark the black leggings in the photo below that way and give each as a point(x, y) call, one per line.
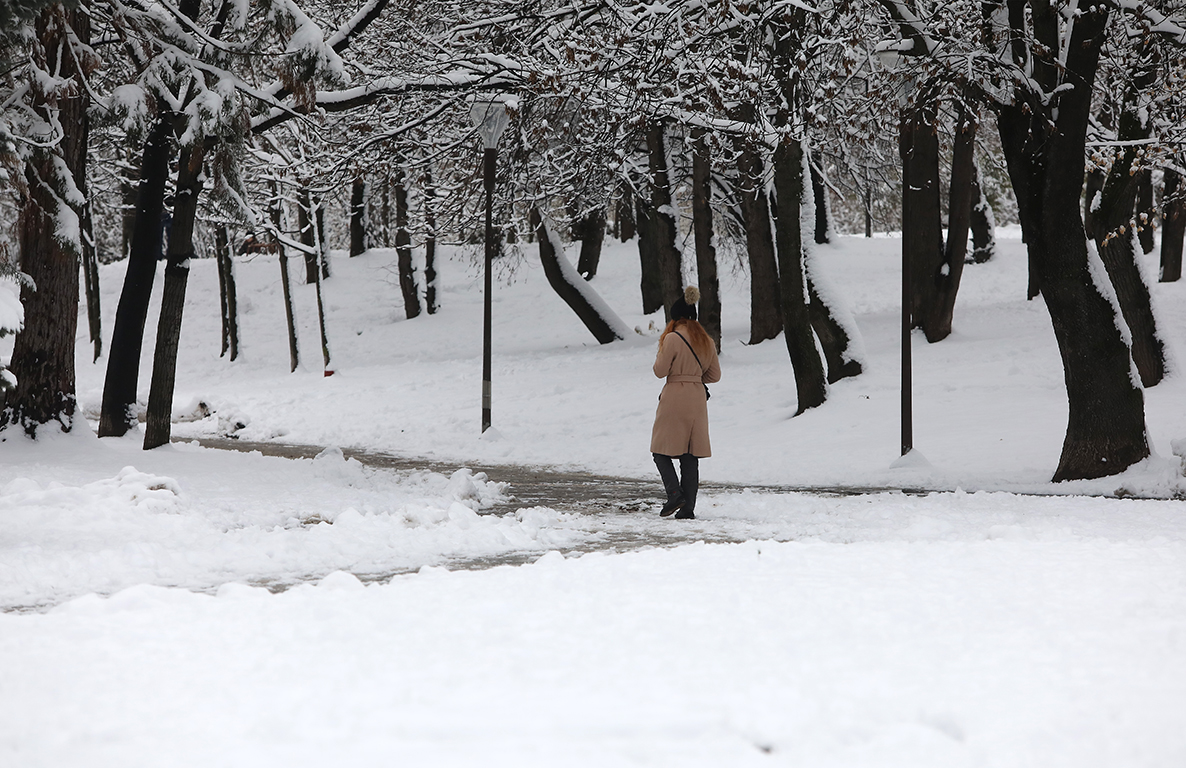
point(685, 485)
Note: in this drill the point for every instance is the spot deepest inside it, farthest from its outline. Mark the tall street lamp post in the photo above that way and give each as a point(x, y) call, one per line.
point(490, 118)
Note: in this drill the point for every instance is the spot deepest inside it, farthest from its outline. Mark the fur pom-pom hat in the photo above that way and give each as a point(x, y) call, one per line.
point(685, 307)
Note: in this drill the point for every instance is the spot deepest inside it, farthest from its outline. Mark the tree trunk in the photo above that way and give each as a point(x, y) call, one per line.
point(320, 255)
point(819, 191)
point(648, 256)
point(222, 244)
point(90, 274)
point(571, 287)
point(43, 354)
point(982, 223)
point(129, 185)
point(1173, 226)
point(765, 308)
point(231, 299)
point(430, 246)
point(403, 249)
point(624, 217)
point(159, 421)
point(663, 218)
point(1106, 424)
point(590, 230)
point(937, 315)
point(1145, 211)
point(833, 338)
point(311, 222)
point(1112, 228)
point(127, 335)
point(922, 219)
point(277, 212)
point(791, 179)
point(706, 254)
point(359, 202)
point(385, 212)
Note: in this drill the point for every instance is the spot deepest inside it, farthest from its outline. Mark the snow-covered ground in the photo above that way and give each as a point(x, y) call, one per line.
point(972, 627)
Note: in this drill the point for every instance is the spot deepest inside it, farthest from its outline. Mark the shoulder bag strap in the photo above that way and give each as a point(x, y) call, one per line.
point(693, 351)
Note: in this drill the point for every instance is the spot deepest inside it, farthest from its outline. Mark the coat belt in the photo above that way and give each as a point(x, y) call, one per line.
point(683, 379)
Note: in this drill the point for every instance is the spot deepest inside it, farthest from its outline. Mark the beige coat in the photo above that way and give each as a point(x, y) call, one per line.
point(681, 421)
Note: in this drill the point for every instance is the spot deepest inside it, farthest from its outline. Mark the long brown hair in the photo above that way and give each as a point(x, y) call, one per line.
point(695, 334)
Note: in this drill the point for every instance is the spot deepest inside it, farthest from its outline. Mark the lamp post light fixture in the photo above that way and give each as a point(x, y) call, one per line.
point(490, 117)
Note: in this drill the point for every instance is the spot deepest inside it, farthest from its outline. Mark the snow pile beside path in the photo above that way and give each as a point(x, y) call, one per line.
point(273, 521)
point(931, 654)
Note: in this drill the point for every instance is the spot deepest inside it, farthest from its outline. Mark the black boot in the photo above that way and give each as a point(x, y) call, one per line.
point(689, 469)
point(675, 496)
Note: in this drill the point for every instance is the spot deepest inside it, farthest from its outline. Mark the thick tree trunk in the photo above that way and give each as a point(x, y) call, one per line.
point(90, 274)
point(922, 218)
point(403, 249)
point(226, 271)
point(127, 335)
point(1173, 226)
point(1106, 425)
point(765, 309)
point(982, 223)
point(663, 218)
point(590, 231)
point(159, 421)
point(430, 246)
point(648, 256)
point(359, 203)
point(129, 185)
point(1112, 228)
point(706, 253)
point(790, 182)
point(833, 338)
point(571, 287)
point(277, 212)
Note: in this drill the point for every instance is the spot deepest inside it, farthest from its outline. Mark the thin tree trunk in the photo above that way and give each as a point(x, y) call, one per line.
point(868, 204)
point(765, 308)
point(624, 216)
point(129, 185)
point(320, 255)
point(358, 215)
point(159, 421)
point(403, 248)
point(662, 212)
point(127, 335)
point(590, 230)
point(569, 285)
point(430, 246)
point(277, 212)
point(1173, 226)
point(43, 354)
point(231, 300)
point(90, 272)
point(222, 244)
point(982, 223)
point(790, 182)
point(819, 191)
point(706, 254)
point(385, 209)
point(1145, 211)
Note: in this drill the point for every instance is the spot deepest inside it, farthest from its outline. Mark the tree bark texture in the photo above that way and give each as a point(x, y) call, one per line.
point(590, 231)
point(662, 213)
point(1145, 212)
point(1106, 424)
point(319, 239)
point(819, 191)
point(765, 308)
point(549, 256)
point(1173, 226)
point(159, 420)
point(127, 335)
point(43, 354)
point(702, 229)
point(922, 218)
point(624, 217)
point(358, 215)
point(790, 186)
point(403, 249)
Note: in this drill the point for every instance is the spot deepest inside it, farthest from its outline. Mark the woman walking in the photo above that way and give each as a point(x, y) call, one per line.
point(688, 360)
